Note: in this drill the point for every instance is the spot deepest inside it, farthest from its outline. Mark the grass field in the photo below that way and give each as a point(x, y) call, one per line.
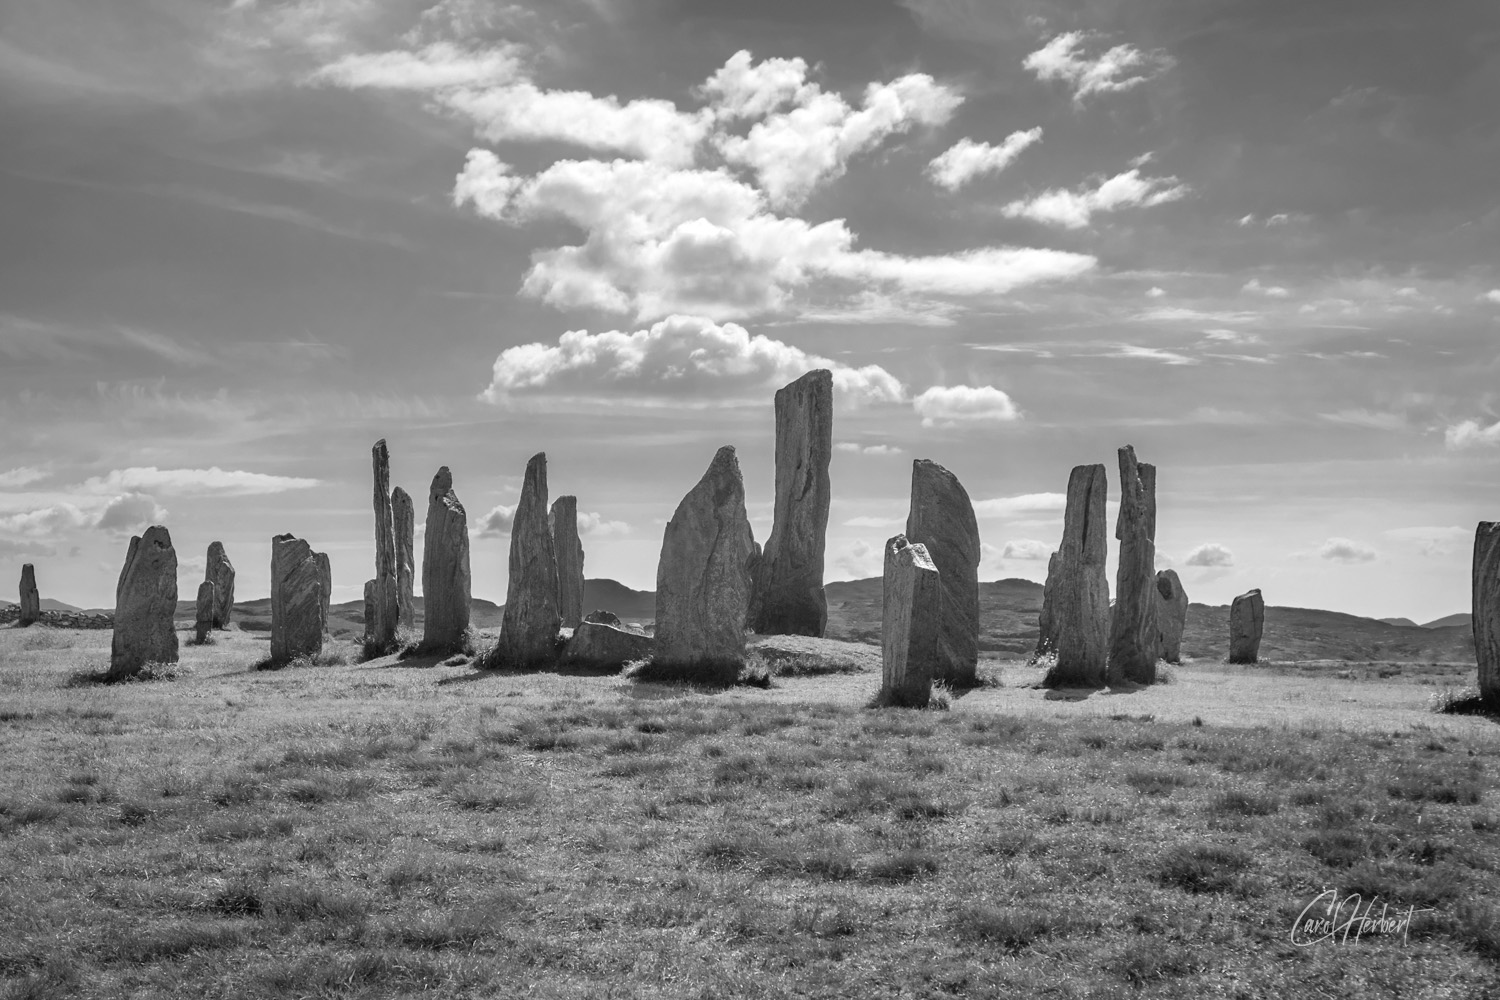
point(405, 828)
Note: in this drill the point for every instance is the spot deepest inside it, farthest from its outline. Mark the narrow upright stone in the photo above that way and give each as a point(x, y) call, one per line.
point(1486, 600)
point(298, 601)
point(220, 573)
point(909, 622)
point(404, 521)
point(369, 603)
point(569, 551)
point(145, 603)
point(705, 574)
point(1247, 616)
point(445, 568)
point(325, 579)
point(942, 520)
point(1133, 637)
point(31, 599)
point(204, 621)
point(1171, 614)
point(1046, 619)
point(381, 630)
point(1081, 600)
point(528, 630)
point(788, 598)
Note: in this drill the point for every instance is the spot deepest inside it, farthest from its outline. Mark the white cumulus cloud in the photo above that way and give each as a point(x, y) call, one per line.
point(129, 513)
point(868, 449)
point(950, 406)
point(24, 475)
point(1471, 434)
point(1210, 554)
point(497, 522)
point(1025, 503)
point(437, 66)
point(1273, 291)
point(1346, 550)
point(597, 525)
point(1119, 68)
point(1073, 210)
point(1026, 548)
point(967, 159)
point(1493, 295)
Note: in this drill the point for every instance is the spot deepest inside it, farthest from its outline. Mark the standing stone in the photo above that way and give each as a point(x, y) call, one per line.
point(1046, 619)
point(1081, 600)
point(298, 601)
point(445, 568)
point(569, 550)
point(31, 599)
point(405, 528)
point(221, 574)
point(705, 575)
point(369, 602)
point(145, 603)
point(1486, 608)
point(207, 594)
point(909, 624)
point(1133, 636)
point(325, 580)
point(942, 520)
point(528, 629)
point(380, 631)
point(1247, 617)
point(788, 596)
point(1171, 614)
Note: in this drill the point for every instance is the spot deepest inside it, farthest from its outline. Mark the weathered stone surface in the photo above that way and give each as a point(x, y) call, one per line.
point(369, 601)
point(596, 644)
point(603, 617)
point(145, 603)
point(528, 630)
point(911, 613)
point(220, 573)
point(1080, 604)
point(568, 548)
point(445, 568)
point(1171, 614)
point(703, 578)
point(204, 621)
point(942, 520)
point(1134, 641)
point(325, 580)
point(380, 630)
point(403, 519)
point(1486, 608)
point(788, 596)
point(31, 598)
point(1247, 616)
point(1046, 619)
point(299, 600)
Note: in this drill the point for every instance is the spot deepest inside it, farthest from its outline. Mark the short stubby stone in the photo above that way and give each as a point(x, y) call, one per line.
point(1134, 640)
point(704, 576)
point(1247, 616)
point(568, 548)
point(603, 618)
point(204, 620)
point(1171, 614)
point(942, 521)
point(445, 568)
point(403, 519)
point(909, 624)
point(298, 599)
point(1486, 608)
point(220, 573)
point(145, 605)
point(788, 596)
point(596, 644)
point(31, 598)
point(528, 628)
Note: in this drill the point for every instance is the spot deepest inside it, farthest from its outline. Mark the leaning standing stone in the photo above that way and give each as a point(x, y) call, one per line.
point(1486, 599)
point(528, 630)
point(221, 574)
point(298, 617)
point(31, 599)
point(1080, 615)
point(569, 550)
point(205, 611)
point(788, 597)
point(942, 520)
point(445, 568)
point(1171, 614)
point(1246, 618)
point(405, 525)
point(145, 603)
point(1133, 635)
point(909, 621)
point(704, 576)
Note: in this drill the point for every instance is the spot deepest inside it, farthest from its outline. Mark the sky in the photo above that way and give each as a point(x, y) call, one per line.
point(1258, 240)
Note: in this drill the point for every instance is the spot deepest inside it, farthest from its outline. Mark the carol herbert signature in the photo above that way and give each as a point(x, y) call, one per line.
point(1339, 918)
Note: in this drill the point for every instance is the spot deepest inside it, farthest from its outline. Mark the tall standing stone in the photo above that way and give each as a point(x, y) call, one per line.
point(528, 630)
point(1046, 619)
point(1486, 608)
point(145, 603)
point(569, 551)
point(381, 630)
point(1133, 637)
point(31, 599)
point(1080, 618)
point(445, 568)
point(204, 608)
point(404, 520)
point(788, 598)
point(909, 622)
point(1247, 616)
point(220, 573)
point(298, 618)
point(1171, 614)
point(705, 575)
point(325, 581)
point(942, 520)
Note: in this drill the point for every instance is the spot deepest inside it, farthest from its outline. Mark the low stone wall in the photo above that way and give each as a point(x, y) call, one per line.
point(60, 619)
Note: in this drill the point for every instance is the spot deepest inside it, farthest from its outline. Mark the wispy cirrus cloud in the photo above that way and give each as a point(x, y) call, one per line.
point(1074, 209)
point(1118, 68)
point(212, 481)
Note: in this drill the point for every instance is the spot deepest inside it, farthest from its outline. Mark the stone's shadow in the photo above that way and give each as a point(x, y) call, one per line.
point(664, 692)
point(1125, 687)
point(555, 670)
point(1472, 705)
point(1069, 694)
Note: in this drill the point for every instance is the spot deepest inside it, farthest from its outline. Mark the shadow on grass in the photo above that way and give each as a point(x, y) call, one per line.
point(1470, 703)
point(1069, 694)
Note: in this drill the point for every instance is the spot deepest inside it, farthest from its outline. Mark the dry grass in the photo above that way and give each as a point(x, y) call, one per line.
point(389, 829)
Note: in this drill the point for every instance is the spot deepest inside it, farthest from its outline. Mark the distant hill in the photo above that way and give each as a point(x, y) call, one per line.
point(46, 603)
point(1404, 622)
point(1007, 613)
point(608, 595)
point(1462, 619)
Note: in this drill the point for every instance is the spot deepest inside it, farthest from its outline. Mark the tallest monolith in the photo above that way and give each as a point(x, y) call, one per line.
point(1134, 642)
point(380, 631)
point(528, 630)
point(788, 596)
point(942, 519)
point(1080, 603)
